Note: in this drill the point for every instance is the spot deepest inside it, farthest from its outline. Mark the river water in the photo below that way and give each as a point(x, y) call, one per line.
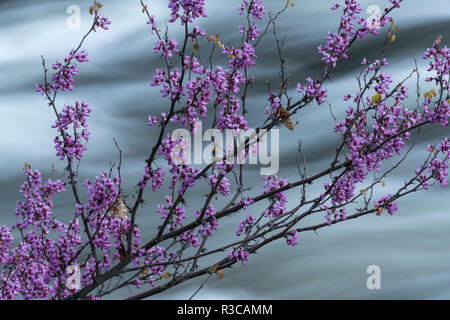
point(411, 247)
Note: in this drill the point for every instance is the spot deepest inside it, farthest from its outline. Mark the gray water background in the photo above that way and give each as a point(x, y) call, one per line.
point(411, 247)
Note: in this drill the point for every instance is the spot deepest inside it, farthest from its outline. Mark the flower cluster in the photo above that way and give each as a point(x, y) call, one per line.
point(111, 230)
point(167, 48)
point(251, 33)
point(239, 255)
point(313, 90)
point(36, 267)
point(353, 26)
point(385, 203)
point(292, 237)
point(210, 222)
point(439, 63)
point(278, 200)
point(246, 202)
point(178, 213)
point(192, 9)
point(438, 169)
point(181, 172)
point(67, 144)
point(333, 214)
point(103, 22)
point(224, 185)
point(156, 176)
point(369, 145)
point(255, 8)
point(245, 225)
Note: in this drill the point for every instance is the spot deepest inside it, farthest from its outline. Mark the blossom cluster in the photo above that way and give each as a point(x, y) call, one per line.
point(352, 26)
point(36, 267)
point(369, 144)
point(240, 255)
point(191, 9)
point(67, 144)
point(279, 200)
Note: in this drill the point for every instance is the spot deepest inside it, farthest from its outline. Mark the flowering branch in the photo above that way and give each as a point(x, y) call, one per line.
point(109, 253)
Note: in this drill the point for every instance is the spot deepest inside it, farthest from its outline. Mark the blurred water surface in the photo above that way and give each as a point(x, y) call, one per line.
point(411, 247)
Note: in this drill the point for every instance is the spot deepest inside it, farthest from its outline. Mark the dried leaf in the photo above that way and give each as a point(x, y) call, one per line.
point(195, 46)
point(121, 251)
point(119, 209)
point(167, 275)
point(376, 98)
point(91, 10)
point(393, 38)
point(219, 274)
point(144, 9)
point(433, 92)
point(429, 94)
point(283, 112)
point(289, 124)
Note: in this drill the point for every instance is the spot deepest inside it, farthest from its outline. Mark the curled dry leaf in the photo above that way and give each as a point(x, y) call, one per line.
point(289, 124)
point(195, 46)
point(215, 38)
point(283, 112)
point(284, 115)
point(376, 98)
point(119, 209)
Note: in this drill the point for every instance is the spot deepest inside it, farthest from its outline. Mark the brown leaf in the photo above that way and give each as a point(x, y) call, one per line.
point(119, 209)
point(283, 112)
point(121, 251)
point(219, 274)
point(289, 124)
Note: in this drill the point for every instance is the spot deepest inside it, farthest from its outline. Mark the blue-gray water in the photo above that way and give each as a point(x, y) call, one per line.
point(411, 247)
